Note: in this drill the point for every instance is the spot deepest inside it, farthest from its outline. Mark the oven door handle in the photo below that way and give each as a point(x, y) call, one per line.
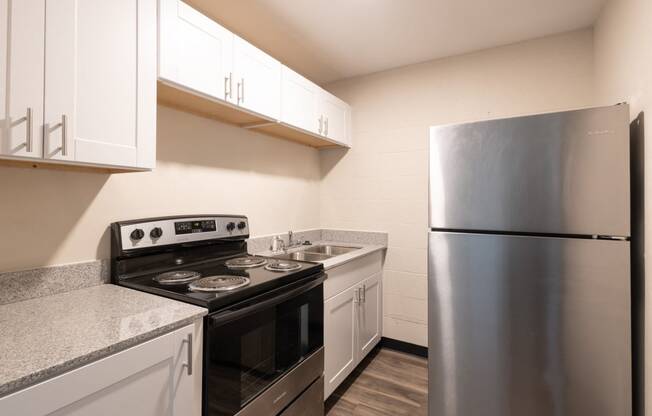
point(232, 314)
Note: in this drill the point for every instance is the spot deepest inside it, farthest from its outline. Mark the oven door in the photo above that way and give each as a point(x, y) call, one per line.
point(256, 342)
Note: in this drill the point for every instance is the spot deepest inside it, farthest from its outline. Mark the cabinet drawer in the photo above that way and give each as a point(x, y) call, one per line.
point(342, 277)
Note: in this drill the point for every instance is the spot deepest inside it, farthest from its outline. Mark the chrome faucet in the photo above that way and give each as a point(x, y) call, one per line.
point(278, 244)
point(291, 242)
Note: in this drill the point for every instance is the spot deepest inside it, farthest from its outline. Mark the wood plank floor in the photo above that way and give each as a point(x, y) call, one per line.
point(386, 383)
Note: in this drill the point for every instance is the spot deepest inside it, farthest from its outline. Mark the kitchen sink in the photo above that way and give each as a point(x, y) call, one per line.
point(317, 253)
point(330, 250)
point(303, 256)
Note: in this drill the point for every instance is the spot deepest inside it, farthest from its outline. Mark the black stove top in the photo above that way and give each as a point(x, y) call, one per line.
point(145, 252)
point(261, 280)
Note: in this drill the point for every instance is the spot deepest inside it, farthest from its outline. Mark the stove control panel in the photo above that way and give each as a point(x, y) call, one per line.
point(174, 230)
point(190, 227)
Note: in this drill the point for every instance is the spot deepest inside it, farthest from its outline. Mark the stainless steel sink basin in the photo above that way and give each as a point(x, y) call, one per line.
point(316, 253)
point(330, 250)
point(303, 256)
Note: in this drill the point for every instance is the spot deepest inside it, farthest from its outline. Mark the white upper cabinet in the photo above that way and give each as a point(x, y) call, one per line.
point(299, 102)
point(335, 115)
point(100, 82)
point(210, 71)
point(194, 51)
point(309, 107)
point(59, 118)
point(93, 65)
point(22, 47)
point(257, 79)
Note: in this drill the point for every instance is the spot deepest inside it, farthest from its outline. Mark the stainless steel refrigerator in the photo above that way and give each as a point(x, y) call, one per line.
point(529, 266)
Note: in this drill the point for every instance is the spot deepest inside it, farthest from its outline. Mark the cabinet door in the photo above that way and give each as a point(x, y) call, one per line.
point(257, 80)
point(299, 100)
point(22, 26)
point(336, 115)
point(187, 378)
point(195, 52)
point(145, 380)
point(369, 314)
point(60, 80)
point(100, 82)
point(339, 338)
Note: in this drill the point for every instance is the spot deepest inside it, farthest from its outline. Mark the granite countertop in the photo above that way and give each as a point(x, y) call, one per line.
point(44, 337)
point(364, 249)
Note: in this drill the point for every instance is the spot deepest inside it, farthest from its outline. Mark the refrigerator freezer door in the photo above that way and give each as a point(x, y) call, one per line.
point(560, 173)
point(528, 326)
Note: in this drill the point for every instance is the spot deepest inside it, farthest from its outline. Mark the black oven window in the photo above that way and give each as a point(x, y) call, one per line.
point(247, 355)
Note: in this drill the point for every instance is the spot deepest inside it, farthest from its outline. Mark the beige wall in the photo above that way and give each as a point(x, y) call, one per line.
point(53, 217)
point(623, 61)
point(381, 184)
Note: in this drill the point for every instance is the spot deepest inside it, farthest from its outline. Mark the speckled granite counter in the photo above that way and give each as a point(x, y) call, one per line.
point(44, 337)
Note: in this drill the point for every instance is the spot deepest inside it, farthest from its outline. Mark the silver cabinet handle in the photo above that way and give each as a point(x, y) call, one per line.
point(243, 91)
point(326, 127)
point(228, 86)
point(363, 292)
point(28, 136)
point(240, 91)
point(321, 124)
point(64, 135)
point(189, 363)
point(356, 295)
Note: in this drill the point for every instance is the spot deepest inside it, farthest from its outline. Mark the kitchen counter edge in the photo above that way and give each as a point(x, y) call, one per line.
point(122, 318)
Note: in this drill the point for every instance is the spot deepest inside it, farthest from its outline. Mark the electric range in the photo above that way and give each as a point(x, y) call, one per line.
point(263, 336)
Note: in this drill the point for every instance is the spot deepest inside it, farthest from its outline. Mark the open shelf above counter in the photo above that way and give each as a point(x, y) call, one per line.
point(207, 70)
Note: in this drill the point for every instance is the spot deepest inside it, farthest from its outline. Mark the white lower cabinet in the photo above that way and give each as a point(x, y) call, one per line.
point(352, 317)
point(339, 339)
point(369, 314)
point(161, 377)
point(187, 368)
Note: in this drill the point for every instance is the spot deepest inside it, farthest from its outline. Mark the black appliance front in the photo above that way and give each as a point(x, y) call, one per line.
point(251, 345)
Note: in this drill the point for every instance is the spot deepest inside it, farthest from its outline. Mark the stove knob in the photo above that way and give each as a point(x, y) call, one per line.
point(137, 234)
point(241, 225)
point(156, 232)
point(230, 226)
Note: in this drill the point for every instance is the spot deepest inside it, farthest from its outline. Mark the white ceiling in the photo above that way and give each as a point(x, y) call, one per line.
point(328, 40)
